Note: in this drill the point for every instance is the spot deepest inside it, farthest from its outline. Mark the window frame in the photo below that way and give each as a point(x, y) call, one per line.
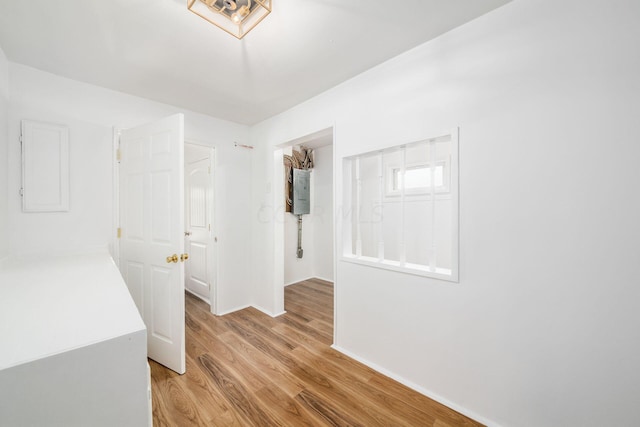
point(352, 253)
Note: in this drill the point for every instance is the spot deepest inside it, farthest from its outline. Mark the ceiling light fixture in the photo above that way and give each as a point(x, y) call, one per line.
point(236, 17)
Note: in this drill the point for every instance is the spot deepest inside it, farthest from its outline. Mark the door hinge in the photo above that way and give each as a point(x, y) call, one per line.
point(209, 169)
point(22, 192)
point(119, 232)
point(209, 227)
point(118, 155)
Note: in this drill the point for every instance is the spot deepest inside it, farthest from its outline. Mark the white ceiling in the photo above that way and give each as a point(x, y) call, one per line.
point(159, 50)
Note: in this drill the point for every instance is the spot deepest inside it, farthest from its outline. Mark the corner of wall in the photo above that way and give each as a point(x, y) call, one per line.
point(4, 75)
point(4, 154)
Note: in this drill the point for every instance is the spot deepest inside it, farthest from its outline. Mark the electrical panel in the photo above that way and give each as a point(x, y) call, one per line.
point(301, 192)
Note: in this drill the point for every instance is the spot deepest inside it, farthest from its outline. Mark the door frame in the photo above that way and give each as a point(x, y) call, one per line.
point(278, 224)
point(213, 256)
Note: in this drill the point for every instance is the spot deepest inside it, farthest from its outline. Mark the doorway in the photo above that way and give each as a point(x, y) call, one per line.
point(199, 240)
point(317, 236)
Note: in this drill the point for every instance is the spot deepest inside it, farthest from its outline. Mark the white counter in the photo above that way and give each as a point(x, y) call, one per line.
point(72, 344)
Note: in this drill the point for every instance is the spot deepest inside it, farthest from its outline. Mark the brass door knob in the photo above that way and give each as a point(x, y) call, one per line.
point(172, 258)
point(184, 257)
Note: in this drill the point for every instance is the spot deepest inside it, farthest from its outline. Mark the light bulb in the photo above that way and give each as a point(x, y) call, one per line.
point(230, 4)
point(242, 13)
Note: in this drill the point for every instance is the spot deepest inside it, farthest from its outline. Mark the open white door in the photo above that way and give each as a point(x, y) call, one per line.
point(152, 241)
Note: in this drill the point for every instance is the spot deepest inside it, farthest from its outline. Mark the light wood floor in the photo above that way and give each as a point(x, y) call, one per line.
point(248, 369)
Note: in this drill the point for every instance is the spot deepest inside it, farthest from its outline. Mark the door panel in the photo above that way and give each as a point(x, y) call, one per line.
point(197, 277)
point(198, 268)
point(134, 274)
point(161, 304)
point(161, 205)
point(152, 223)
point(199, 205)
point(134, 201)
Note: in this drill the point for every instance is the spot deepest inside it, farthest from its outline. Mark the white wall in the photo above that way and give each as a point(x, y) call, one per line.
point(542, 328)
point(4, 148)
point(91, 112)
point(298, 269)
point(317, 227)
point(323, 212)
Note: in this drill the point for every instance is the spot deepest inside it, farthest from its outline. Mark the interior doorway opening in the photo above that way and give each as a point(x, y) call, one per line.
point(318, 229)
point(199, 176)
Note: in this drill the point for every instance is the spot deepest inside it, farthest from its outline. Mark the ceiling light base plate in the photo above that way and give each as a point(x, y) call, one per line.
point(236, 17)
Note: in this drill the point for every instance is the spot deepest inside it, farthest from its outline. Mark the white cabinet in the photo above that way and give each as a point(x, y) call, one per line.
point(74, 348)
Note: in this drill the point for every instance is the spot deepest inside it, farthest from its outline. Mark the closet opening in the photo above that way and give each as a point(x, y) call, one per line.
point(305, 245)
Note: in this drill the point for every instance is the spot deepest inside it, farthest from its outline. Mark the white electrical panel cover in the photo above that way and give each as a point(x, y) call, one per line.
point(45, 167)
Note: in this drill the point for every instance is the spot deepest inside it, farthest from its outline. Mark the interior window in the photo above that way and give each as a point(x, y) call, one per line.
point(403, 208)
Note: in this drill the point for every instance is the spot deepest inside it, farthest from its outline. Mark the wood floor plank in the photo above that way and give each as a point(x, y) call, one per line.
point(286, 408)
point(276, 372)
point(258, 326)
point(311, 294)
point(300, 337)
point(236, 394)
point(441, 412)
point(249, 369)
point(326, 410)
point(180, 403)
point(210, 401)
point(274, 350)
point(340, 390)
point(322, 326)
point(203, 316)
point(251, 378)
point(309, 313)
point(386, 404)
point(161, 414)
point(309, 331)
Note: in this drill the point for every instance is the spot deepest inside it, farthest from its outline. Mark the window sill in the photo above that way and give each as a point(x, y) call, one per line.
point(408, 268)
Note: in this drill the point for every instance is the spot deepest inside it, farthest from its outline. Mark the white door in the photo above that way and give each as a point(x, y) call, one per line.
point(151, 242)
point(198, 220)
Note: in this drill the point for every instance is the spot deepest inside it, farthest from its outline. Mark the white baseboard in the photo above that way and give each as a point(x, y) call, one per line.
point(419, 389)
point(323, 279)
point(297, 281)
point(267, 312)
point(308, 278)
point(233, 310)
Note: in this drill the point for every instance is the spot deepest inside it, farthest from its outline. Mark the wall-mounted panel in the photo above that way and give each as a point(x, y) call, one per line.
point(45, 167)
point(301, 192)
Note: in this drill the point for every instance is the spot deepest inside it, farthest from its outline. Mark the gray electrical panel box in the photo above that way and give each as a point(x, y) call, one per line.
point(301, 192)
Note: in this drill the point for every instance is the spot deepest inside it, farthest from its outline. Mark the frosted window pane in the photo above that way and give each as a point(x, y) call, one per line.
point(418, 177)
point(418, 231)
